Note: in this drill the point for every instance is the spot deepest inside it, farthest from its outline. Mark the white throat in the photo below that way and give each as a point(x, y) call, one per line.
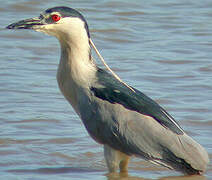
point(75, 51)
point(76, 60)
point(76, 70)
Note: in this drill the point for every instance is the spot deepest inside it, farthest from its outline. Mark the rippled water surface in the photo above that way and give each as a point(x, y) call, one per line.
point(163, 48)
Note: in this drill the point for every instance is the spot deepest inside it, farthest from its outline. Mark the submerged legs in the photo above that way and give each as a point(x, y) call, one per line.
point(115, 159)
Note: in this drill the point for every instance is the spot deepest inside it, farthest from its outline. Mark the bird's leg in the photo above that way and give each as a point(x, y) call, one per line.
point(115, 159)
point(123, 165)
point(111, 159)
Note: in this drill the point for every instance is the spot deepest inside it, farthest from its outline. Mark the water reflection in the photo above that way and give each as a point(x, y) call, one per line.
point(111, 176)
point(56, 170)
point(117, 176)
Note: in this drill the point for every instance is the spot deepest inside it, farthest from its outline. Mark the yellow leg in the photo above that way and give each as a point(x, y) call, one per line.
point(116, 159)
point(123, 165)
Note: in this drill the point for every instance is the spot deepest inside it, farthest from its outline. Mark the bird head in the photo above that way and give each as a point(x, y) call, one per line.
point(61, 22)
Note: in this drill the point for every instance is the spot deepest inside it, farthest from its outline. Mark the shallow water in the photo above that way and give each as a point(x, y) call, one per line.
point(163, 48)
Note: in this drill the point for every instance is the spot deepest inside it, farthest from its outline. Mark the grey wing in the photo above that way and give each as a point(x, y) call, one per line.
point(110, 89)
point(134, 124)
point(136, 134)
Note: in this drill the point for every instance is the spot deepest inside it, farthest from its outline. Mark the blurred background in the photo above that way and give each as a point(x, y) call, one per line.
point(163, 48)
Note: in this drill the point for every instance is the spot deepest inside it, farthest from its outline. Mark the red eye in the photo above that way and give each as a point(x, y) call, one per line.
point(55, 17)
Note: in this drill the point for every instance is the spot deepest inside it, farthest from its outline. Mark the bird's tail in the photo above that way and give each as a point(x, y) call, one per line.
point(188, 156)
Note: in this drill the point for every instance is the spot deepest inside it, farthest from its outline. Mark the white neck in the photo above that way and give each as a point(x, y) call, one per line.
point(76, 70)
point(76, 59)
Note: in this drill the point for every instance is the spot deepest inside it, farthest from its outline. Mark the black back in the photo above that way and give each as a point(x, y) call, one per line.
point(116, 92)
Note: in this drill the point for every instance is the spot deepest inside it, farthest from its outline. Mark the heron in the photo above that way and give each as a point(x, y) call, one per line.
point(121, 118)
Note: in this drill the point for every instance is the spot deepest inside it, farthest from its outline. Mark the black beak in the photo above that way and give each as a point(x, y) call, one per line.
point(26, 24)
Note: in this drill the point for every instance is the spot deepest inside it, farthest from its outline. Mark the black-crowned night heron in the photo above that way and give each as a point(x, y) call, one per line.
point(120, 117)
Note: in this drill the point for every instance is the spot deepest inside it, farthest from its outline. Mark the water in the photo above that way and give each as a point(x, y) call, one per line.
point(162, 48)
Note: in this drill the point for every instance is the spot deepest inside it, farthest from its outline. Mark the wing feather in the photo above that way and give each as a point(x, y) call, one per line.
point(113, 91)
